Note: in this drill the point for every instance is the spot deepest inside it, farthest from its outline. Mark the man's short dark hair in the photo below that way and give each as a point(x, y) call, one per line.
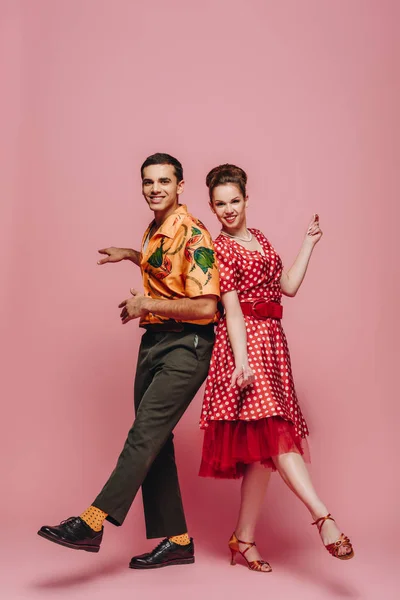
point(160, 158)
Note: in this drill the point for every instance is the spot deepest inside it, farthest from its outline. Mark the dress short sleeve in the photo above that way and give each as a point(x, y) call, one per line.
point(227, 268)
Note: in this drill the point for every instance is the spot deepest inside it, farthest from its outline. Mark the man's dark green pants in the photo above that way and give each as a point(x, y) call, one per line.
point(171, 367)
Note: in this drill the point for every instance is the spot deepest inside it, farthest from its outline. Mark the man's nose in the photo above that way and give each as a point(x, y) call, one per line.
point(155, 188)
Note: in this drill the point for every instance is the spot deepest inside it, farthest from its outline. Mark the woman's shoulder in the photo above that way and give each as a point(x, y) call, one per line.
point(259, 234)
point(261, 237)
point(222, 242)
point(224, 248)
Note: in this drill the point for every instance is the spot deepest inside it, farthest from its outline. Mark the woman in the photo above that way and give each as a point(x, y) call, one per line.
point(253, 423)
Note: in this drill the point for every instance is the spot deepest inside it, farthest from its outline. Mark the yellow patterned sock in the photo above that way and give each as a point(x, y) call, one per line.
point(94, 517)
point(181, 540)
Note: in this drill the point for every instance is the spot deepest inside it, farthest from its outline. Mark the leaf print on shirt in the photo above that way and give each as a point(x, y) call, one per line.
point(196, 238)
point(156, 259)
point(166, 268)
point(204, 258)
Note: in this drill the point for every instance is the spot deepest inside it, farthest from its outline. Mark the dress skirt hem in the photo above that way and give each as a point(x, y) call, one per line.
point(231, 445)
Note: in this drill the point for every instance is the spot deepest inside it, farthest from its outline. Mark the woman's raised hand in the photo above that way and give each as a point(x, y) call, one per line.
point(314, 232)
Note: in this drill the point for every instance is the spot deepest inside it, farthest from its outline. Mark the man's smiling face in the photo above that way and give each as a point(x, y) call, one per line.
point(161, 189)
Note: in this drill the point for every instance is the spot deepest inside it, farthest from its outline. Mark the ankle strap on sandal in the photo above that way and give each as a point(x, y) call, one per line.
point(319, 522)
point(249, 544)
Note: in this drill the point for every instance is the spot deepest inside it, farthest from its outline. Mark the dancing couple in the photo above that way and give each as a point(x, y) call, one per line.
point(252, 420)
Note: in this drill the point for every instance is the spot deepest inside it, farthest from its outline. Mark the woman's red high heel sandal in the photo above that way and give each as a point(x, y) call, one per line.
point(254, 565)
point(342, 541)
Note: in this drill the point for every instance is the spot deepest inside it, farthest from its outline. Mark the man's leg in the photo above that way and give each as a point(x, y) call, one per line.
point(93, 516)
point(174, 366)
point(162, 499)
point(178, 363)
point(161, 492)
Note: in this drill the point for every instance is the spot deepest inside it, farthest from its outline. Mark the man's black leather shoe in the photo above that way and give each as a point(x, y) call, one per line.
point(73, 533)
point(165, 554)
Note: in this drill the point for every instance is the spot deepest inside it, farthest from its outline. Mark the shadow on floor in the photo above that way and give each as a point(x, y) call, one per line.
point(69, 580)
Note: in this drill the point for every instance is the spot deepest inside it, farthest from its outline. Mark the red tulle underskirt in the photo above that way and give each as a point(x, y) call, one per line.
point(231, 445)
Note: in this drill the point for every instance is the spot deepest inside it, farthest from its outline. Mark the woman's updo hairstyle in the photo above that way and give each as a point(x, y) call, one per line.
point(226, 174)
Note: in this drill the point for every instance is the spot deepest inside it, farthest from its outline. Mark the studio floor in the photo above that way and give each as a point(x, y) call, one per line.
point(38, 569)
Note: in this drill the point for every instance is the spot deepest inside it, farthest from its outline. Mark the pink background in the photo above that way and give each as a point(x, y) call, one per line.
point(304, 96)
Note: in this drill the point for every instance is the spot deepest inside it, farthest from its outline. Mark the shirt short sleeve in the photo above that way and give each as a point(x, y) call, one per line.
point(227, 268)
point(200, 268)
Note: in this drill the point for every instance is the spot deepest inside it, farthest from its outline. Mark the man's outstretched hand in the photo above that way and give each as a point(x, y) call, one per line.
point(114, 255)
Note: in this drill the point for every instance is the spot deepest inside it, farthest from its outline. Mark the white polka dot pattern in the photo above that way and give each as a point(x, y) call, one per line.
point(253, 276)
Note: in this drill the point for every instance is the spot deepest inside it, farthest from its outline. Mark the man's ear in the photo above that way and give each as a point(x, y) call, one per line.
point(181, 187)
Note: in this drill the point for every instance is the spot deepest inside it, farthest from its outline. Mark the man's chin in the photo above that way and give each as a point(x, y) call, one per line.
point(156, 206)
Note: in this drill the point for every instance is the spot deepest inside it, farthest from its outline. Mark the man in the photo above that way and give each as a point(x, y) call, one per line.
point(177, 311)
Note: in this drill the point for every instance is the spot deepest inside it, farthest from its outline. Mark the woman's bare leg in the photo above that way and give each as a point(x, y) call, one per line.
point(294, 472)
point(254, 487)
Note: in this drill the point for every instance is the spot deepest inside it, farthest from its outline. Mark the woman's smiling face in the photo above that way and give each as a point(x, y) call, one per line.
point(229, 205)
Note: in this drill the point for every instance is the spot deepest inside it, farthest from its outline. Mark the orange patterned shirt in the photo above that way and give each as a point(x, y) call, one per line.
point(179, 262)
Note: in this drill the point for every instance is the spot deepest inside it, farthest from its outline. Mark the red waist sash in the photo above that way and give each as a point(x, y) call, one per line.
point(261, 309)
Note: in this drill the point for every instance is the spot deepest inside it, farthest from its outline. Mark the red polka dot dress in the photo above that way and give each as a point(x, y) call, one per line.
point(264, 419)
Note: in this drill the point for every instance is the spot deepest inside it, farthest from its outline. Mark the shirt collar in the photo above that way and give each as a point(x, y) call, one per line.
point(172, 223)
